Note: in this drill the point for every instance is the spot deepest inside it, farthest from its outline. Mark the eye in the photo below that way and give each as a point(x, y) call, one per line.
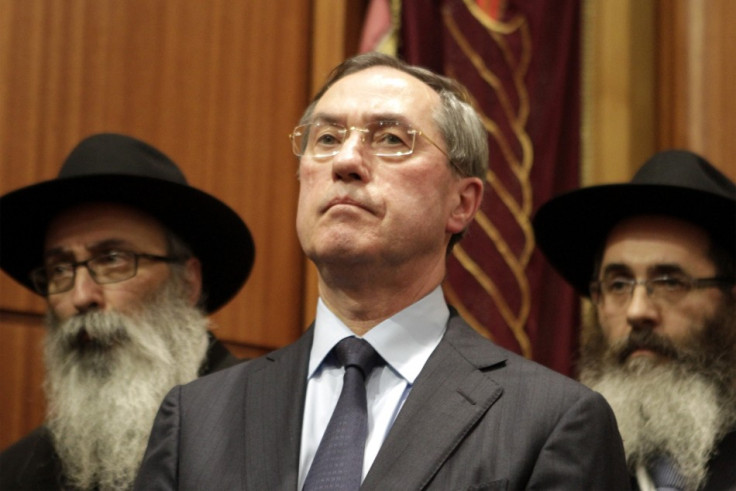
point(112, 259)
point(670, 283)
point(109, 257)
point(328, 135)
point(58, 270)
point(617, 286)
point(388, 138)
point(390, 134)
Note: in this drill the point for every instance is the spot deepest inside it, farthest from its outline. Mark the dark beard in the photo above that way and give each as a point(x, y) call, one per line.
point(107, 373)
point(710, 352)
point(681, 404)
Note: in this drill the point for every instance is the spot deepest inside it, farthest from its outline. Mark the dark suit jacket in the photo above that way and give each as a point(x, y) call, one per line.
point(478, 417)
point(32, 463)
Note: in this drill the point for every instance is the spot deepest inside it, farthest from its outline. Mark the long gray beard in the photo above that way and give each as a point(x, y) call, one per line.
point(681, 408)
point(103, 395)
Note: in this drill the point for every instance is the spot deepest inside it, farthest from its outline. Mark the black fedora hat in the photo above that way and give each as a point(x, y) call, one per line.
point(117, 168)
point(571, 228)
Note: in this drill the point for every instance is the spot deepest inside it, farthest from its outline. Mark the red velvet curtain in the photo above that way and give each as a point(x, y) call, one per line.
point(520, 59)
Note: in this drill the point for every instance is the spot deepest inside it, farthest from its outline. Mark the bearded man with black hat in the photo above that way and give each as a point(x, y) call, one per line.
point(656, 258)
point(131, 260)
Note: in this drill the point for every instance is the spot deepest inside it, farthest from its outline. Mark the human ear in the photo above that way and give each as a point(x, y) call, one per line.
point(469, 196)
point(193, 279)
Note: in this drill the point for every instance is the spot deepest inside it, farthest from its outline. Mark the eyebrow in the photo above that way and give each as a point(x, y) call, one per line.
point(654, 270)
point(663, 269)
point(103, 245)
point(616, 268)
point(330, 118)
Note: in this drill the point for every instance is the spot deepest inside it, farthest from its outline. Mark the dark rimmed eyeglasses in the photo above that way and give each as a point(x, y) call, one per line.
point(618, 290)
point(105, 268)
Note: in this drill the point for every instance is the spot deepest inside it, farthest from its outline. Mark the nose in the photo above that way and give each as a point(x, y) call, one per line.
point(349, 163)
point(86, 294)
point(642, 312)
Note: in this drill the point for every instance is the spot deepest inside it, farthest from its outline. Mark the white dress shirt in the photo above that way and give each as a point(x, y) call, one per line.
point(643, 479)
point(405, 342)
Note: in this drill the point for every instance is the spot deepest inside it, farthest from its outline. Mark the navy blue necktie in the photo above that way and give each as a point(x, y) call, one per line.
point(665, 475)
point(338, 463)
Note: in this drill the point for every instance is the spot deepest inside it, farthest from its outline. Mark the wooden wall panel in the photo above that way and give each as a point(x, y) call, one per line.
point(697, 70)
point(618, 124)
point(22, 404)
point(217, 85)
point(658, 74)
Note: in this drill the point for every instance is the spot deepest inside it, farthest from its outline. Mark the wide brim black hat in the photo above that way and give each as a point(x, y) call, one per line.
point(117, 168)
point(571, 228)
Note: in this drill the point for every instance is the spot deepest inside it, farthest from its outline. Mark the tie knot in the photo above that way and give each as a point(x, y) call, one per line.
point(358, 353)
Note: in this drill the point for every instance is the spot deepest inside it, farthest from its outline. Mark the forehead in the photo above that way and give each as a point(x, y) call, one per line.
point(90, 223)
point(651, 240)
point(379, 91)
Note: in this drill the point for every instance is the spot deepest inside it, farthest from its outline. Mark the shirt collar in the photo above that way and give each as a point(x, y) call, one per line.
point(405, 340)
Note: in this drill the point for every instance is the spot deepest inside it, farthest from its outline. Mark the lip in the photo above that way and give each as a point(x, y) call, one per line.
point(643, 352)
point(635, 352)
point(83, 342)
point(345, 201)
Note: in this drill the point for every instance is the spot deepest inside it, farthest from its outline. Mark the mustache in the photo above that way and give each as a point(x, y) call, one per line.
point(92, 331)
point(645, 340)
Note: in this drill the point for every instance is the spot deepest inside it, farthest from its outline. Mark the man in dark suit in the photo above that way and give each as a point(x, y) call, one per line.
point(130, 260)
point(656, 258)
point(392, 165)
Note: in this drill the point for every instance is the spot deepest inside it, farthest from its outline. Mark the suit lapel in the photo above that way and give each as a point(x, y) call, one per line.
point(450, 395)
point(274, 400)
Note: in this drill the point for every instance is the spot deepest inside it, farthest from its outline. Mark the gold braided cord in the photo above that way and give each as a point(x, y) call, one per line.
point(514, 322)
point(520, 165)
point(520, 168)
point(520, 215)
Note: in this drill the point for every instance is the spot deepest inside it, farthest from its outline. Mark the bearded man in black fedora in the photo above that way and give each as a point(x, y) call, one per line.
point(131, 260)
point(656, 258)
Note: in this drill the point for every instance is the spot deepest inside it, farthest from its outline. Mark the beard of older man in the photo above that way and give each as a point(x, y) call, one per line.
point(107, 373)
point(680, 408)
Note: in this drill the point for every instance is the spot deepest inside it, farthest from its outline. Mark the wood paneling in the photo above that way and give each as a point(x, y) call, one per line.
point(658, 74)
point(21, 376)
point(697, 70)
point(618, 125)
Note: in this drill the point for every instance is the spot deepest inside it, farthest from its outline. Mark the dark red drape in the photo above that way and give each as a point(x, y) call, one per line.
point(520, 60)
